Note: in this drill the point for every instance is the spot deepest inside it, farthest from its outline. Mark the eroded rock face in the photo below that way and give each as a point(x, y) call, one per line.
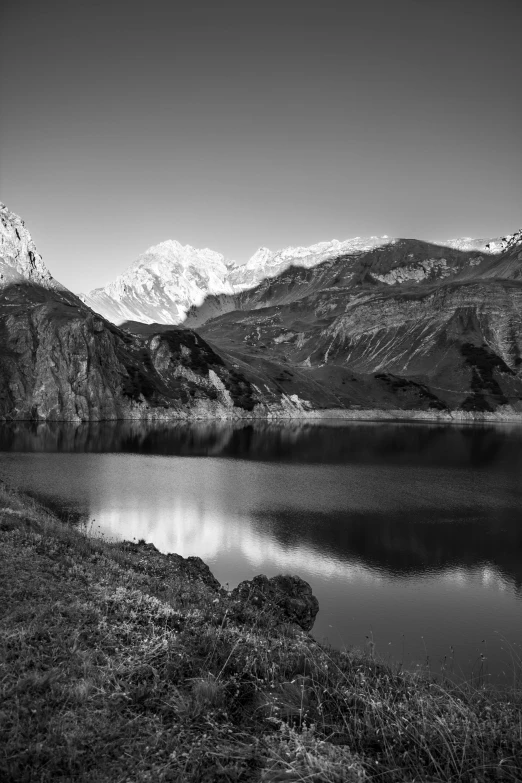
point(290, 597)
point(61, 362)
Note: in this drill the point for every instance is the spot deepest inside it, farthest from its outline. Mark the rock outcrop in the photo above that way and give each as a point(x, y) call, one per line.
point(289, 598)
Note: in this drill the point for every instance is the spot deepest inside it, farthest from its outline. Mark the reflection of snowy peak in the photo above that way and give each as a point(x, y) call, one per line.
point(168, 279)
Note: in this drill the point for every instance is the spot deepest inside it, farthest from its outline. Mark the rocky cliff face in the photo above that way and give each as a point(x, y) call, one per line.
point(20, 262)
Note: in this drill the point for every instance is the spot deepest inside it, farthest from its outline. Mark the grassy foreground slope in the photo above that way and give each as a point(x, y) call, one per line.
point(120, 664)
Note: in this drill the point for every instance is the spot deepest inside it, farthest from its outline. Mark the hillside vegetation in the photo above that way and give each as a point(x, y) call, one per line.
point(120, 664)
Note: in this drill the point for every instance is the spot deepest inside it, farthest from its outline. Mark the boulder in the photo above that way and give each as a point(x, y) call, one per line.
point(289, 596)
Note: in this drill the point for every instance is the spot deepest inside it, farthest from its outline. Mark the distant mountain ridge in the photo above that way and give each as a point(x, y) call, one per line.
point(436, 326)
point(170, 283)
point(167, 281)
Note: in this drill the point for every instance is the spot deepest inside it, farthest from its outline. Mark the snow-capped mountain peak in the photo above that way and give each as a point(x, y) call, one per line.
point(18, 251)
point(162, 284)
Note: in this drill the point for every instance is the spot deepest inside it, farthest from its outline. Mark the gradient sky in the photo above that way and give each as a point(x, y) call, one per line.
point(232, 125)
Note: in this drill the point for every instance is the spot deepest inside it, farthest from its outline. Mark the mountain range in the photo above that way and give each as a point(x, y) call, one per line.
point(169, 280)
point(368, 327)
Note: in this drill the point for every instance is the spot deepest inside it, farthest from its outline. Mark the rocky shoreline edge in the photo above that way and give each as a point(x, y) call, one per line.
point(507, 415)
point(123, 664)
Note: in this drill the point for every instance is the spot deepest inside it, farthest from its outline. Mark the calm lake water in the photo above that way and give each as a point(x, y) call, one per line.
point(410, 534)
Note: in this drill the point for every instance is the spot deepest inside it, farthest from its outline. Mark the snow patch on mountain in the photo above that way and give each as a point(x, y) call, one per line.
point(19, 257)
point(506, 244)
point(267, 263)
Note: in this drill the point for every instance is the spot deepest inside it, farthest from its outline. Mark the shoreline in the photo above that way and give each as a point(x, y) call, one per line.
point(371, 414)
point(123, 664)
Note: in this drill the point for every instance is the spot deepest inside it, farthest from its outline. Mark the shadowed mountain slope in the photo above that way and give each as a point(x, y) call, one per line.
point(447, 320)
point(60, 361)
point(400, 264)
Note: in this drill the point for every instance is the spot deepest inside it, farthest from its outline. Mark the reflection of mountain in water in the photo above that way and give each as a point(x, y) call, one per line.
point(332, 514)
point(403, 546)
point(295, 441)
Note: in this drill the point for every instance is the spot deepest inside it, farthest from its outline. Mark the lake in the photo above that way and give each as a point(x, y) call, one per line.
point(409, 534)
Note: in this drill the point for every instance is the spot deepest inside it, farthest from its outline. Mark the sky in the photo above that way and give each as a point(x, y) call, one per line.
point(234, 125)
